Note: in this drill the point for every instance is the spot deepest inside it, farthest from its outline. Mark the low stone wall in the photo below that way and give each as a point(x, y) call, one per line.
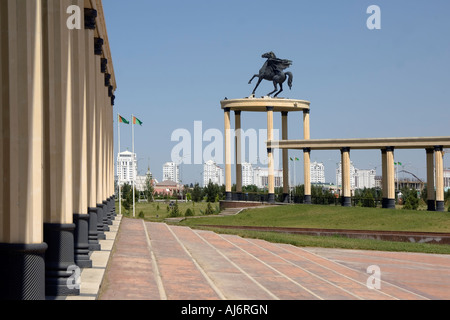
point(241, 204)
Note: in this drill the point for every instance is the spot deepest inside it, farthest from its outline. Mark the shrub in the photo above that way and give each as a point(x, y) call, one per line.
point(188, 213)
point(175, 211)
point(141, 215)
point(209, 210)
point(411, 201)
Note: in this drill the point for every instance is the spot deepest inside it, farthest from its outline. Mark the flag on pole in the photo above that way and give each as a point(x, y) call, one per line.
point(137, 121)
point(123, 120)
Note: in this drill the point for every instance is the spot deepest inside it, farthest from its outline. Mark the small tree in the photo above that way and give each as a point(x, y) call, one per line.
point(211, 191)
point(411, 201)
point(188, 213)
point(197, 193)
point(149, 189)
point(175, 211)
point(209, 209)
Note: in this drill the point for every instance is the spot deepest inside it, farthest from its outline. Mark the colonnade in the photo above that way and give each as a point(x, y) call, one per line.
point(56, 144)
point(433, 146)
point(435, 177)
point(269, 106)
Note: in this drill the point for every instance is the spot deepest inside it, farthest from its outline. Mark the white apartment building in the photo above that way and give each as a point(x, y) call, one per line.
point(339, 175)
point(171, 172)
point(317, 172)
point(126, 167)
point(247, 174)
point(212, 172)
point(447, 179)
point(365, 178)
point(261, 177)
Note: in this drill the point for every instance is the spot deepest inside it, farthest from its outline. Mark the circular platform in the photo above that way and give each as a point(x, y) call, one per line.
point(260, 104)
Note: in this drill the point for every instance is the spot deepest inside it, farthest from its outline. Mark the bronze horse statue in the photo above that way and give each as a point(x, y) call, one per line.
point(273, 70)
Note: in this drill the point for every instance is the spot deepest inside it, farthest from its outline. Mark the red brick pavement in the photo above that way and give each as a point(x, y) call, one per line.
point(153, 261)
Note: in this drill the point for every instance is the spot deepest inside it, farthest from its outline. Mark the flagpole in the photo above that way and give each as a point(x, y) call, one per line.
point(295, 174)
point(118, 173)
point(134, 162)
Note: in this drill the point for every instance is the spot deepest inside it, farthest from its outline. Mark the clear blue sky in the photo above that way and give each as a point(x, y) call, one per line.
point(175, 60)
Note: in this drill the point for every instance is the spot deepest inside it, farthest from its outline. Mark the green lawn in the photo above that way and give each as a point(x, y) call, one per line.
point(330, 217)
point(333, 217)
point(157, 211)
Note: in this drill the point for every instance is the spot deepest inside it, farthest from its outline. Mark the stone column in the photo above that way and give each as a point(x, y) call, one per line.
point(238, 129)
point(22, 249)
point(229, 196)
point(384, 178)
point(306, 129)
point(271, 195)
point(307, 159)
point(439, 168)
point(79, 146)
point(388, 178)
point(99, 127)
point(58, 174)
point(346, 184)
point(431, 193)
point(91, 185)
point(307, 175)
point(104, 92)
point(284, 136)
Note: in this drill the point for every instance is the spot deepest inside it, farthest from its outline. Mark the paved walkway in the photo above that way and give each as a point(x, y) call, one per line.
point(155, 261)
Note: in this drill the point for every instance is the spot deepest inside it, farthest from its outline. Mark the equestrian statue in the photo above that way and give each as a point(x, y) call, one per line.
point(273, 70)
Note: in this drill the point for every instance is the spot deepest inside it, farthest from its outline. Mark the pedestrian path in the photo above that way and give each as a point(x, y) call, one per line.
point(156, 261)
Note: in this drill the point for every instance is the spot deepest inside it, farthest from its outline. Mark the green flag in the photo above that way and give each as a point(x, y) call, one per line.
point(297, 159)
point(137, 121)
point(123, 120)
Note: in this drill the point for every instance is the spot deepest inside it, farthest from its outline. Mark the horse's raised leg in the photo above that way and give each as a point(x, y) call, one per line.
point(281, 90)
point(276, 88)
point(257, 85)
point(253, 78)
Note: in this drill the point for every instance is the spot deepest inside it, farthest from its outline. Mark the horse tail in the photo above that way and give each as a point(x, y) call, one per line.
point(291, 78)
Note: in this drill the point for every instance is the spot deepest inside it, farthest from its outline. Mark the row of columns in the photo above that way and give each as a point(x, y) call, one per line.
point(435, 178)
point(435, 169)
point(56, 147)
point(270, 153)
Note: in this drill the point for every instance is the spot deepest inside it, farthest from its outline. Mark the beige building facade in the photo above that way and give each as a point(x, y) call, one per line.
point(56, 143)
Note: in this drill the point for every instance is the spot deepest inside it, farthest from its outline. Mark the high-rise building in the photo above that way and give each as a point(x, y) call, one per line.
point(212, 173)
point(317, 172)
point(126, 167)
point(365, 178)
point(447, 178)
point(171, 172)
point(247, 174)
point(339, 175)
